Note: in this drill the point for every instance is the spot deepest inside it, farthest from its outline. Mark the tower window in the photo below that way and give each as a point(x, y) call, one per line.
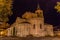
point(40, 26)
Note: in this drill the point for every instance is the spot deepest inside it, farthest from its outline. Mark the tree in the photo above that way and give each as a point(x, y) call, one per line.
point(58, 7)
point(5, 11)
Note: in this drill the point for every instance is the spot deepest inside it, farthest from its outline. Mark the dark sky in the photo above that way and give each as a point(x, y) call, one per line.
point(50, 14)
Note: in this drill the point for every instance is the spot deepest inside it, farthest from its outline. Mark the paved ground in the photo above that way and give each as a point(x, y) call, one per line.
point(30, 38)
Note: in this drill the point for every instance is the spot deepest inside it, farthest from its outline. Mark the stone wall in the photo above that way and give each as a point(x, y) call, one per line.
point(23, 29)
point(34, 27)
point(49, 30)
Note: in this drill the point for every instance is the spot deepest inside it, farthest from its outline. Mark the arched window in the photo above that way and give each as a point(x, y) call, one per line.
point(40, 26)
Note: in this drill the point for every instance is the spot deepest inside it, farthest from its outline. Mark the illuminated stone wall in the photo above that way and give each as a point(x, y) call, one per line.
point(10, 31)
point(38, 27)
point(23, 29)
point(32, 25)
point(49, 30)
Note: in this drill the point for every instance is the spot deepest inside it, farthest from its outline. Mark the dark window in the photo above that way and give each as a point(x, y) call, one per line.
point(40, 26)
point(34, 26)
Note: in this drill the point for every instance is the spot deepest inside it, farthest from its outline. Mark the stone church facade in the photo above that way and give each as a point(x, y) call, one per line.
point(31, 24)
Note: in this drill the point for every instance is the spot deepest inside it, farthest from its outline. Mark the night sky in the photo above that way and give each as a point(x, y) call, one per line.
point(50, 14)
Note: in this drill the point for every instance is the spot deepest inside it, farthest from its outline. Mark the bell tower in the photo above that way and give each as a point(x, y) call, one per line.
point(39, 12)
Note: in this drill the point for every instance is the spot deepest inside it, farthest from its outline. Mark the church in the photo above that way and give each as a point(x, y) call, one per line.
point(30, 24)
